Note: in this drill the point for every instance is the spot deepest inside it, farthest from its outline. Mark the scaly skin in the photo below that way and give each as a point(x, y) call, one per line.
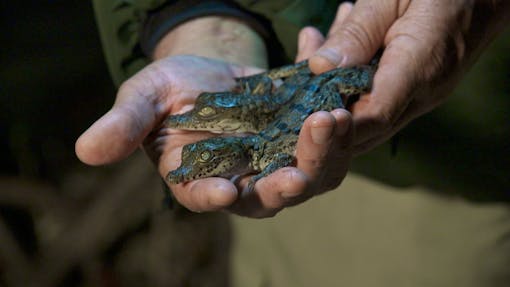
point(249, 107)
point(274, 146)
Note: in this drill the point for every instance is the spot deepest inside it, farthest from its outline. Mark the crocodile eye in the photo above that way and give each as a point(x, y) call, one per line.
point(207, 111)
point(205, 156)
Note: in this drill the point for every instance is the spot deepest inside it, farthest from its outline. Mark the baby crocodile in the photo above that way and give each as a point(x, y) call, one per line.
point(249, 107)
point(272, 147)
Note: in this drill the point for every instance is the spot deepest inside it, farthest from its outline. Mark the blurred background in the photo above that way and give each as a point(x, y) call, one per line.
point(65, 224)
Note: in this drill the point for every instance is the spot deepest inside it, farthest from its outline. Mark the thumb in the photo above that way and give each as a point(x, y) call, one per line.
point(309, 40)
point(356, 39)
point(120, 131)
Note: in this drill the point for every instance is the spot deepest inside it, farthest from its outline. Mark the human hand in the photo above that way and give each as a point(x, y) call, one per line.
point(428, 45)
point(170, 86)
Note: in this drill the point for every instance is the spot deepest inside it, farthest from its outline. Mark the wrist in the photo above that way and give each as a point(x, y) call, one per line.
point(215, 37)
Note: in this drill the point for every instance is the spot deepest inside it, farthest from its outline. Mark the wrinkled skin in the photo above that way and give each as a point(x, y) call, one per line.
point(428, 45)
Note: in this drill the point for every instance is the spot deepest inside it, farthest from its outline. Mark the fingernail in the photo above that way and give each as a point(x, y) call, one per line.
point(332, 56)
point(321, 135)
point(343, 128)
point(223, 196)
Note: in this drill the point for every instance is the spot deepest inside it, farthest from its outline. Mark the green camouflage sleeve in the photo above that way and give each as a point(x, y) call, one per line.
point(120, 23)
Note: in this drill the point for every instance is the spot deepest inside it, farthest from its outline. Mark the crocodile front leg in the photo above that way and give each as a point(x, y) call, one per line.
point(277, 161)
point(260, 84)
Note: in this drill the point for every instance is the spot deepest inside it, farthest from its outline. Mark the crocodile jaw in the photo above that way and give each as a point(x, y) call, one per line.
point(188, 121)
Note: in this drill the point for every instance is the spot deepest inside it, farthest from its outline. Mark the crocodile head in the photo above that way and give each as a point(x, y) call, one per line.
point(217, 112)
point(221, 156)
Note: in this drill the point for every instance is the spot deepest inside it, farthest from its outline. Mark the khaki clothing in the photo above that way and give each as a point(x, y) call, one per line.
point(368, 234)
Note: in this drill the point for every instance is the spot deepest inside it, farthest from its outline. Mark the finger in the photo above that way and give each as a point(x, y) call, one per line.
point(309, 40)
point(272, 193)
point(208, 194)
point(380, 138)
point(341, 14)
point(314, 142)
point(340, 152)
point(120, 131)
point(419, 105)
point(374, 114)
point(359, 36)
point(407, 61)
